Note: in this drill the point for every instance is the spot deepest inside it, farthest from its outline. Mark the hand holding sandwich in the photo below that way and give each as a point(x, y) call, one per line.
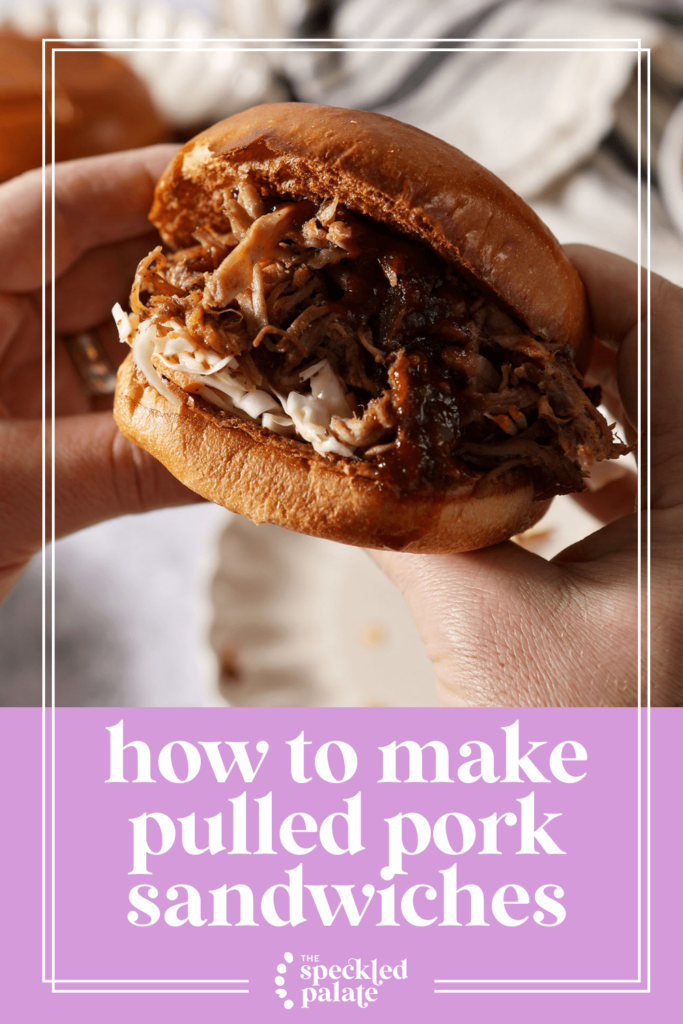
point(504, 626)
point(102, 231)
point(451, 329)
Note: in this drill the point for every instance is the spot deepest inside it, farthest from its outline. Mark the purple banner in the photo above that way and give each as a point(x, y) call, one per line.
point(268, 862)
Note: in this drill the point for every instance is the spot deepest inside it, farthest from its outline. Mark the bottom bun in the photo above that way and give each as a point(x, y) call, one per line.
point(272, 479)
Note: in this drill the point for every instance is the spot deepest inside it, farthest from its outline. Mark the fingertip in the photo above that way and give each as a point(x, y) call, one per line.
point(613, 499)
point(611, 283)
point(104, 199)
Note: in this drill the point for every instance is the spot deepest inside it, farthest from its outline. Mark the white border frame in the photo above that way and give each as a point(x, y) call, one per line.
point(325, 47)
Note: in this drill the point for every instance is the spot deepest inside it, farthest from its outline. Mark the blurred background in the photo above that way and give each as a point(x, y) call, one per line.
point(198, 607)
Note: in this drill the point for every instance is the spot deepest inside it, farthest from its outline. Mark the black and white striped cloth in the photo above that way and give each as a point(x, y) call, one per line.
point(559, 124)
point(530, 117)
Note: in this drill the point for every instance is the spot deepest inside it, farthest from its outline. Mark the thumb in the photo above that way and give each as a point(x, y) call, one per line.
point(505, 628)
point(480, 615)
point(99, 474)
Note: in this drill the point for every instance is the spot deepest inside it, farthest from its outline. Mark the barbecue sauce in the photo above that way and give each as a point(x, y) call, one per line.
point(459, 390)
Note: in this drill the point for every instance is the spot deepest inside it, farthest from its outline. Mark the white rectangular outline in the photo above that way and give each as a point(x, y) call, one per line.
point(181, 46)
point(43, 521)
point(326, 45)
point(53, 511)
point(348, 49)
point(648, 508)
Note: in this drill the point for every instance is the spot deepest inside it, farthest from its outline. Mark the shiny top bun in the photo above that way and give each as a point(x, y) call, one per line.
point(397, 175)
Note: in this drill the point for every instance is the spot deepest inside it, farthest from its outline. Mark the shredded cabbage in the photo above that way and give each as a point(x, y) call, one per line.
point(278, 424)
point(122, 321)
point(313, 413)
point(143, 350)
point(308, 415)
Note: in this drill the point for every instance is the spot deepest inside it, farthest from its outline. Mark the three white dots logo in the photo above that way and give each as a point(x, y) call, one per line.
point(280, 980)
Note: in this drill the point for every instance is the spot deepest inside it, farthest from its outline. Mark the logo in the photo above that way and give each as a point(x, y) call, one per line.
point(280, 980)
point(312, 983)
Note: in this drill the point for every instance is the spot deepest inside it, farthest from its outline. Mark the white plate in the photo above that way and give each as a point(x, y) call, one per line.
point(303, 622)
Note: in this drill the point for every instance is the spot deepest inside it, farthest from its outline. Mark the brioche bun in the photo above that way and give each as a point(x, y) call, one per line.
point(272, 479)
point(422, 189)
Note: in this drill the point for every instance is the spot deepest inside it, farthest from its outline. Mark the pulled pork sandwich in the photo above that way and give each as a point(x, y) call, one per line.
point(358, 333)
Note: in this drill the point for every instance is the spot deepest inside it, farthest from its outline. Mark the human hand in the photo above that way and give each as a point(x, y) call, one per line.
point(505, 627)
point(102, 232)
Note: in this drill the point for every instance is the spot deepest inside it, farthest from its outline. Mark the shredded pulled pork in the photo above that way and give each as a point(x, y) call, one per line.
point(327, 328)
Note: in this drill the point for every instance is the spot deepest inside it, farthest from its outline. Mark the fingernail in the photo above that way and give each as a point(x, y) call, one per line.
point(603, 473)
